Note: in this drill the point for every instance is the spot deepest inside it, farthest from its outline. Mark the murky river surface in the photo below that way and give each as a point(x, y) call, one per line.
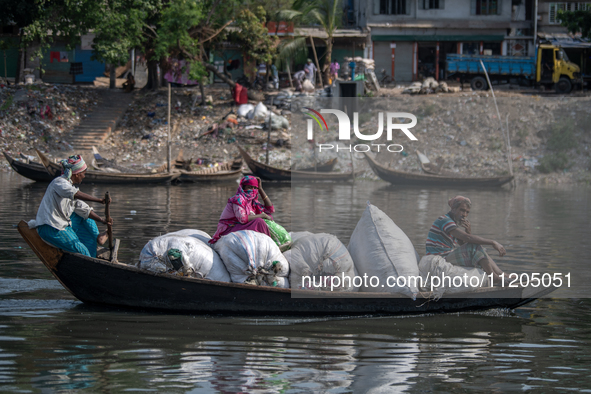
point(50, 342)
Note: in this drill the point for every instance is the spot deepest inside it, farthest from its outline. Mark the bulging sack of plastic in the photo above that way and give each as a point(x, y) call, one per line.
point(307, 87)
point(252, 257)
point(196, 258)
point(442, 277)
point(279, 122)
point(189, 232)
point(260, 112)
point(321, 262)
point(299, 234)
point(244, 109)
point(380, 248)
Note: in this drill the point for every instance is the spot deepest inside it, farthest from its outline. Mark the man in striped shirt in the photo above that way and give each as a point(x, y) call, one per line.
point(458, 245)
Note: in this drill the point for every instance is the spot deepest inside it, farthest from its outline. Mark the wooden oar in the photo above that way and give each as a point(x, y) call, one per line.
point(108, 219)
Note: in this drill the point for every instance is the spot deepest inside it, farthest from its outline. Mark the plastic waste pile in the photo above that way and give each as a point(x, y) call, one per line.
point(315, 262)
point(41, 115)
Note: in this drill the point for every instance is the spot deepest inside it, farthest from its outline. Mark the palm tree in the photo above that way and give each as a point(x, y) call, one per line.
point(326, 13)
point(329, 14)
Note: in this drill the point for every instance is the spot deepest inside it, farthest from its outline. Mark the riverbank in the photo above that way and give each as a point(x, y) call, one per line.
point(550, 135)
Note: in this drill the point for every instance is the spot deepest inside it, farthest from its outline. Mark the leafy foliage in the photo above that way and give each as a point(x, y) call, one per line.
point(576, 22)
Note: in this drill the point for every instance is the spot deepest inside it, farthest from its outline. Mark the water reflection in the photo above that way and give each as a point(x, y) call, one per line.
point(51, 342)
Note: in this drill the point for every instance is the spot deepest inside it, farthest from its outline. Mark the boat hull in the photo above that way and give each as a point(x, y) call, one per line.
point(407, 178)
point(98, 281)
point(268, 173)
point(33, 171)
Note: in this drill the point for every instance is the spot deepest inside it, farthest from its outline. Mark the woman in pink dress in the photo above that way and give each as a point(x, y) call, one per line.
point(244, 211)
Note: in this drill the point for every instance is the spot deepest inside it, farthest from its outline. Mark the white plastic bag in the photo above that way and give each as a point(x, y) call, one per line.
point(198, 258)
point(244, 109)
point(252, 257)
point(380, 248)
point(321, 262)
point(442, 277)
point(189, 232)
point(260, 112)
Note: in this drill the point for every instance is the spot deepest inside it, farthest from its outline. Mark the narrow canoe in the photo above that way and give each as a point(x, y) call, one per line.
point(31, 170)
point(228, 171)
point(407, 178)
point(326, 167)
point(99, 177)
point(109, 282)
point(269, 173)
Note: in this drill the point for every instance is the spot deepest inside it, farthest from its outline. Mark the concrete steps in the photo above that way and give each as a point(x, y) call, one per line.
point(98, 126)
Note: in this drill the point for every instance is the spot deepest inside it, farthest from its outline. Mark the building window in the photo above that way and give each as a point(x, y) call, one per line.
point(485, 7)
point(431, 4)
point(393, 7)
point(555, 7)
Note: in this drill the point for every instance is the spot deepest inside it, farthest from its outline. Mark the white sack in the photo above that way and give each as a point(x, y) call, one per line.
point(279, 122)
point(244, 109)
point(189, 232)
point(298, 234)
point(307, 87)
point(260, 112)
point(199, 259)
point(249, 256)
point(434, 271)
point(321, 257)
point(380, 248)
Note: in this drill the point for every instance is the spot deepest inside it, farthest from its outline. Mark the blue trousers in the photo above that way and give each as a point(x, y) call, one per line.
point(78, 238)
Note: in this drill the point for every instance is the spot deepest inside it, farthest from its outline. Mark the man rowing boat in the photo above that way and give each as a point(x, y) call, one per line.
point(459, 246)
point(63, 220)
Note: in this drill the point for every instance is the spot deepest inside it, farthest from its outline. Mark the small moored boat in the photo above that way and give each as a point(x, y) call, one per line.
point(30, 170)
point(268, 173)
point(228, 171)
point(407, 178)
point(111, 178)
point(106, 281)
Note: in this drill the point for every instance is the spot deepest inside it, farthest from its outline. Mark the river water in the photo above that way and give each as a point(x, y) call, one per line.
point(50, 342)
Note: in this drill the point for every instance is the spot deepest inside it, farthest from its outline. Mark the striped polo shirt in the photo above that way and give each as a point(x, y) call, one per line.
point(439, 240)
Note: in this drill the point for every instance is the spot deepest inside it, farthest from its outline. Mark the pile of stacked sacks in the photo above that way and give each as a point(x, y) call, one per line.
point(316, 262)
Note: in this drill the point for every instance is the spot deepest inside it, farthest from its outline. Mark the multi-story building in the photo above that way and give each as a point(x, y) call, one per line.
point(409, 39)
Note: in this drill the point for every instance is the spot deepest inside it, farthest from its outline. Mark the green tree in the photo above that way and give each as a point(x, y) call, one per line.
point(192, 29)
point(20, 13)
point(576, 22)
point(328, 14)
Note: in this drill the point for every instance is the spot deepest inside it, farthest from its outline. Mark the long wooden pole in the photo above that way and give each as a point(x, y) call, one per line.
point(108, 219)
point(317, 64)
point(168, 147)
point(507, 138)
point(289, 76)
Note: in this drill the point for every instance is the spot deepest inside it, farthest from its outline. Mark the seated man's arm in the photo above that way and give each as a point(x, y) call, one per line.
point(475, 239)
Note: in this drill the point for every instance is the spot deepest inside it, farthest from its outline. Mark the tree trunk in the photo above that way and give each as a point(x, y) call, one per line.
point(202, 90)
point(213, 69)
point(21, 57)
point(112, 76)
point(153, 80)
point(327, 60)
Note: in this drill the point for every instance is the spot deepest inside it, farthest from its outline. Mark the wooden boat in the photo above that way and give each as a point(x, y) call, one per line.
point(228, 171)
point(106, 281)
point(269, 173)
point(111, 178)
point(407, 178)
point(30, 170)
point(326, 167)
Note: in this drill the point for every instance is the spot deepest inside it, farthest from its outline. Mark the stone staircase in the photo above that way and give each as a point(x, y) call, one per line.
point(98, 126)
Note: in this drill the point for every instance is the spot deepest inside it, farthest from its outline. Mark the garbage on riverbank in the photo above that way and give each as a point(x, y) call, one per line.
point(42, 116)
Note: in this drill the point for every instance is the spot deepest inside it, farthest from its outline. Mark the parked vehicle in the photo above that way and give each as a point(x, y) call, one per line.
point(550, 68)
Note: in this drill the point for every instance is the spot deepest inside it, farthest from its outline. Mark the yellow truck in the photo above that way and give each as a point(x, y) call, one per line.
point(550, 68)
